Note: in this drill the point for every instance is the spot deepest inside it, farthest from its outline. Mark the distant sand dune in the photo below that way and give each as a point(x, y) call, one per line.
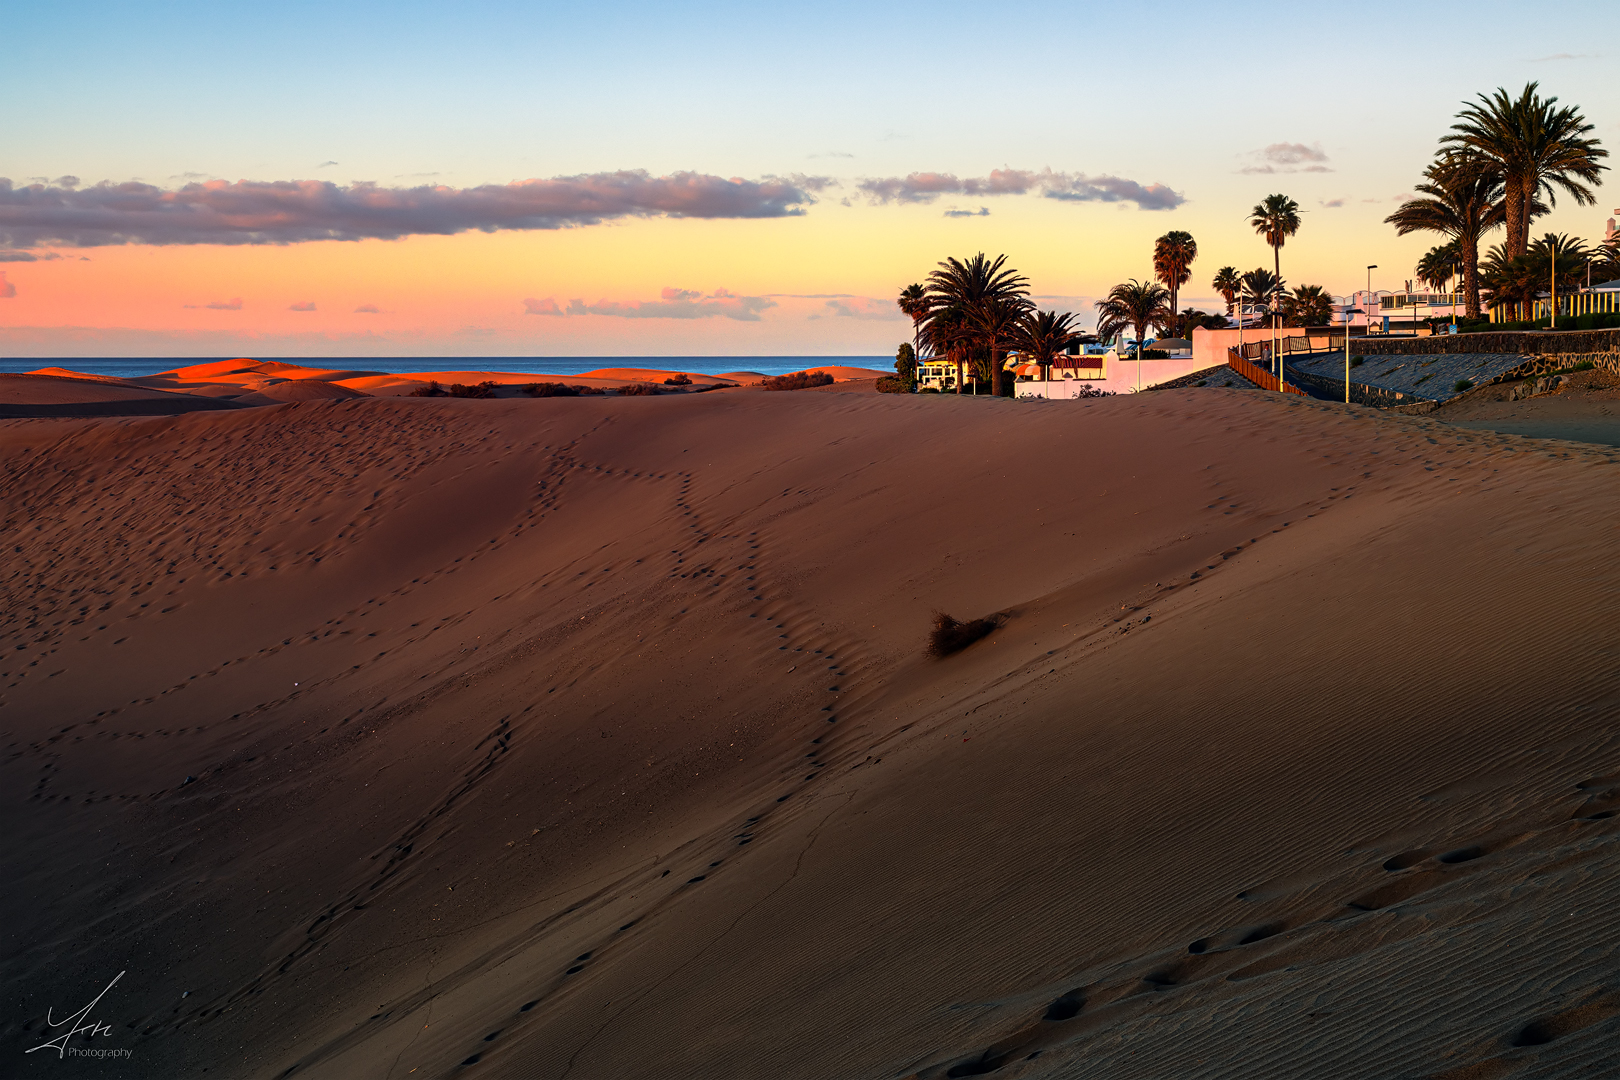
point(597, 738)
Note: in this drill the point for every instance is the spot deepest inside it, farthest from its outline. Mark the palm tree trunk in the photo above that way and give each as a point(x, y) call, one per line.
point(1470, 250)
point(1529, 197)
point(1518, 229)
point(995, 369)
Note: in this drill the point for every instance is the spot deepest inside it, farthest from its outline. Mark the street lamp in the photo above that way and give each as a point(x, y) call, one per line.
point(1347, 313)
point(1370, 297)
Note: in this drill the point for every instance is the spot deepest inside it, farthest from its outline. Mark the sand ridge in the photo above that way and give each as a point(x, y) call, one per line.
point(594, 737)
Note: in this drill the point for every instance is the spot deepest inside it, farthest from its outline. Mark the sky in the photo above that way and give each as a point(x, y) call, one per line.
point(501, 178)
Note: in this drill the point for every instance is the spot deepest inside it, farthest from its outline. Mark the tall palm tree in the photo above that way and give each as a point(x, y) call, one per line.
point(1537, 148)
point(1042, 336)
point(915, 303)
point(1276, 218)
point(1229, 284)
point(1461, 197)
point(990, 296)
point(1173, 255)
point(1138, 304)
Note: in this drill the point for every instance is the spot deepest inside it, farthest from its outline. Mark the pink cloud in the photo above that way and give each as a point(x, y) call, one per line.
point(307, 305)
point(920, 187)
point(368, 309)
point(672, 303)
point(294, 211)
point(7, 289)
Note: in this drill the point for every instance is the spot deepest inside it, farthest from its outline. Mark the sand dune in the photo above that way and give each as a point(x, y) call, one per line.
point(596, 738)
point(50, 395)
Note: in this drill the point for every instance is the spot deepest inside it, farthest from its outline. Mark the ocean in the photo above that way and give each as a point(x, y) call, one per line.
point(126, 367)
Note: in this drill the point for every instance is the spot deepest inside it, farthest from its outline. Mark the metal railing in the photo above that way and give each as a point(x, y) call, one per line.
point(1262, 378)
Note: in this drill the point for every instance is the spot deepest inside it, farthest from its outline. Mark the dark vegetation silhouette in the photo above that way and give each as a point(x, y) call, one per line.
point(951, 636)
point(798, 380)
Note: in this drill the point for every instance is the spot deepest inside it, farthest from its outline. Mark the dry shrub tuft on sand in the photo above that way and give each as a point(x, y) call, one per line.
point(637, 389)
point(950, 636)
point(550, 389)
point(798, 380)
point(680, 378)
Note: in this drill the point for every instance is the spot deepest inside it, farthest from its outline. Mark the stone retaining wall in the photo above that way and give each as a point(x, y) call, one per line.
point(1360, 393)
point(1528, 342)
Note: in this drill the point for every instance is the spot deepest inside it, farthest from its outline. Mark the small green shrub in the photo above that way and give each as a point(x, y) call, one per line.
point(1357, 361)
point(892, 384)
point(798, 380)
point(1155, 354)
point(1462, 385)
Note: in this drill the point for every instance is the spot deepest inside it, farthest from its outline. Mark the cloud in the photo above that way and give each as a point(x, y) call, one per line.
point(1288, 158)
point(368, 309)
point(7, 289)
point(1334, 204)
point(1564, 56)
point(307, 305)
point(28, 256)
point(326, 165)
point(233, 304)
point(983, 211)
point(296, 211)
point(919, 187)
point(865, 307)
point(832, 154)
point(671, 304)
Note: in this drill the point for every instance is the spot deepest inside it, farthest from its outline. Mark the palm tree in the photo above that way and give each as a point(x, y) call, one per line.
point(945, 335)
point(1229, 285)
point(1136, 304)
point(1606, 261)
point(991, 298)
point(1042, 336)
point(1307, 305)
point(1461, 198)
point(1173, 255)
point(1439, 265)
point(1536, 147)
point(1260, 286)
point(1276, 218)
point(915, 303)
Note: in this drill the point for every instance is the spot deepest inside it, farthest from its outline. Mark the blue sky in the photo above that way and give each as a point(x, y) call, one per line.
point(487, 93)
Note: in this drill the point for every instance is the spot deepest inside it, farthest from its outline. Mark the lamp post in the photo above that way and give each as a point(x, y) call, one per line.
point(1370, 297)
point(1347, 313)
point(1276, 334)
point(1240, 320)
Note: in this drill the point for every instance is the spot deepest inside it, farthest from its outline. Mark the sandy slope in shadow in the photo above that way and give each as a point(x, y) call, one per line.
point(595, 738)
